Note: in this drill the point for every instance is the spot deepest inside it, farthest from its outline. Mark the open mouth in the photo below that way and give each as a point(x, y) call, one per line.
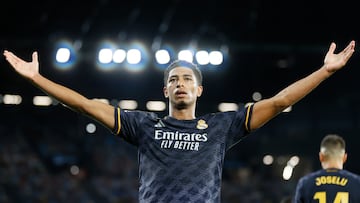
point(180, 93)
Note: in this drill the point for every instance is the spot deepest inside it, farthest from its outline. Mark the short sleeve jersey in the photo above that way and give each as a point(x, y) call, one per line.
point(181, 160)
point(330, 185)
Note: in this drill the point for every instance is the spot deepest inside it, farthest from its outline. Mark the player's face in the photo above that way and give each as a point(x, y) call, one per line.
point(182, 88)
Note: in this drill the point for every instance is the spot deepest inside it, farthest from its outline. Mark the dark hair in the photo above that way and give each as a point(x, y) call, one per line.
point(183, 63)
point(332, 144)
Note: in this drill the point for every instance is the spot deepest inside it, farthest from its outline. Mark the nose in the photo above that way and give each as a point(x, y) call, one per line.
point(180, 83)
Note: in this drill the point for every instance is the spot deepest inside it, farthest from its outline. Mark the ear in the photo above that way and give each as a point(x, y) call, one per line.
point(200, 90)
point(345, 158)
point(321, 157)
point(166, 92)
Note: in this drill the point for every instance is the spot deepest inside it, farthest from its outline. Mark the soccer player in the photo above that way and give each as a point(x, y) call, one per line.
point(332, 183)
point(181, 155)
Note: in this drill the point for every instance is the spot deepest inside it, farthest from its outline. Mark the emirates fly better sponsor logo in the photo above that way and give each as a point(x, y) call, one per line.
point(180, 140)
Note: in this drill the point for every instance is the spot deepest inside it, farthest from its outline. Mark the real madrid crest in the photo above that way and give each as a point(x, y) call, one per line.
point(201, 125)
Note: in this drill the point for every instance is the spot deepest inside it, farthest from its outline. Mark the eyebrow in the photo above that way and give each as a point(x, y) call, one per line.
point(184, 75)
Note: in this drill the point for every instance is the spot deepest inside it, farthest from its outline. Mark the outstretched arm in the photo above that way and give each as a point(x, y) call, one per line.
point(97, 110)
point(266, 109)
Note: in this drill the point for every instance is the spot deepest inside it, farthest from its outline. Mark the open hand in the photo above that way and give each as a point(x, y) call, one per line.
point(334, 62)
point(26, 69)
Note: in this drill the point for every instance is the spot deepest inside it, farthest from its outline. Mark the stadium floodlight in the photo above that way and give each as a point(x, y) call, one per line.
point(216, 57)
point(162, 56)
point(119, 56)
point(63, 55)
point(186, 55)
point(133, 56)
point(202, 57)
point(105, 56)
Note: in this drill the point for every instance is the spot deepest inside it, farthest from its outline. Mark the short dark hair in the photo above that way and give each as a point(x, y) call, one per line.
point(187, 64)
point(332, 145)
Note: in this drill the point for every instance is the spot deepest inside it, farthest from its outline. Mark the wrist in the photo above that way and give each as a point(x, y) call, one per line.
point(327, 71)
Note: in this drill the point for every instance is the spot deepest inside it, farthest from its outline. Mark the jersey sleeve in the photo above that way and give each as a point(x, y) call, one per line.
point(117, 125)
point(249, 109)
point(127, 123)
point(131, 124)
point(298, 197)
point(240, 125)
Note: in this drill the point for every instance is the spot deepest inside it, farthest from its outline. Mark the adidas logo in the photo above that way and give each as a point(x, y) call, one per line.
point(160, 124)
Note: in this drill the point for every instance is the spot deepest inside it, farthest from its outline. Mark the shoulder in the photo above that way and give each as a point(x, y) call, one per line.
point(219, 117)
point(351, 175)
point(139, 114)
point(221, 114)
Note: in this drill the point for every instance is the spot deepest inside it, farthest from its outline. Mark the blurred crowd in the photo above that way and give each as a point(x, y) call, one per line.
point(53, 165)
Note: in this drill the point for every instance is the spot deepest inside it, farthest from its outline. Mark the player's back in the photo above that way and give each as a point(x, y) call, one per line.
point(329, 186)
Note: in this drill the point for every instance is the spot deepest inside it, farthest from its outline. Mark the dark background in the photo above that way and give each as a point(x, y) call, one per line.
point(259, 35)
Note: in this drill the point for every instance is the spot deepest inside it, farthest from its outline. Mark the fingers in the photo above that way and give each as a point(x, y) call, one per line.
point(352, 44)
point(332, 47)
point(6, 53)
point(349, 50)
point(350, 47)
point(14, 60)
point(348, 54)
point(35, 56)
point(345, 53)
point(11, 58)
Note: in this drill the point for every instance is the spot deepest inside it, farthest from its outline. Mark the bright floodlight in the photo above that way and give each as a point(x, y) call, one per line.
point(12, 99)
point(294, 161)
point(74, 170)
point(186, 55)
point(216, 57)
point(42, 101)
point(105, 56)
point(90, 128)
point(256, 96)
point(202, 57)
point(133, 56)
point(287, 172)
point(156, 105)
point(228, 107)
point(63, 55)
point(268, 159)
point(162, 56)
point(128, 104)
point(119, 56)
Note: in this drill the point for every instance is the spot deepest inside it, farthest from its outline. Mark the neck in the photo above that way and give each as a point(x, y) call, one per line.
point(332, 164)
point(182, 114)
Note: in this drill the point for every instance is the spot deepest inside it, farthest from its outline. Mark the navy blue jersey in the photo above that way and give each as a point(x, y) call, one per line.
point(181, 160)
point(328, 186)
